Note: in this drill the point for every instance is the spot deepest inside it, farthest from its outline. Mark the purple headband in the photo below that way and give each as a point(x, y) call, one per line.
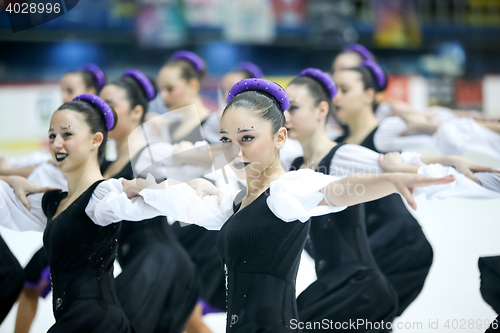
point(251, 68)
point(101, 104)
point(193, 58)
point(322, 78)
point(359, 49)
point(377, 72)
point(269, 87)
point(97, 73)
point(143, 81)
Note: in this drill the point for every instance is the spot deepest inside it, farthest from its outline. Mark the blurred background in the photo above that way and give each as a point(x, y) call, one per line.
point(437, 52)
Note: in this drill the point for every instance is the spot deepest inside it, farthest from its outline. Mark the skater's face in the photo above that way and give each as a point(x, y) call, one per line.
point(71, 142)
point(72, 85)
point(346, 60)
point(250, 138)
point(176, 91)
point(303, 117)
point(351, 97)
point(128, 118)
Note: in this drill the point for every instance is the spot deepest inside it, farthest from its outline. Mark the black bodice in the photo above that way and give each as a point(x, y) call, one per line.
point(384, 210)
point(261, 254)
point(338, 240)
point(135, 234)
point(80, 253)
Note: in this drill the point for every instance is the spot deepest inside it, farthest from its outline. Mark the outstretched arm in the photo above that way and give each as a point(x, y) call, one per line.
point(361, 188)
point(140, 199)
point(392, 162)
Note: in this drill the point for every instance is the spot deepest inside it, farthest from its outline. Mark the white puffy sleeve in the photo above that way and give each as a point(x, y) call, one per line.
point(462, 187)
point(383, 110)
point(389, 137)
point(109, 204)
point(47, 174)
point(296, 195)
point(460, 134)
point(351, 159)
point(181, 202)
point(15, 216)
point(30, 160)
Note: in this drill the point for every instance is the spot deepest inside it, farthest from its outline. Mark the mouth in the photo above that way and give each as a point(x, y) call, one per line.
point(61, 156)
point(240, 165)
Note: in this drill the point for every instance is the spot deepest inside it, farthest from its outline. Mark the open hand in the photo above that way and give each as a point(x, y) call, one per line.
point(468, 167)
point(406, 183)
point(23, 187)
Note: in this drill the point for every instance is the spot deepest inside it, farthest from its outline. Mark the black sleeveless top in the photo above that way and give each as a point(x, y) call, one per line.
point(261, 255)
point(390, 208)
point(339, 242)
point(368, 142)
point(79, 251)
point(134, 235)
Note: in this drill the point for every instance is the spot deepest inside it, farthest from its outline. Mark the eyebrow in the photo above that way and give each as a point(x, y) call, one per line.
point(240, 131)
point(245, 130)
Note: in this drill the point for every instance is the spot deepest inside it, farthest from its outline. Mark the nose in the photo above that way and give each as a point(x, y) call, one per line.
point(58, 142)
point(231, 151)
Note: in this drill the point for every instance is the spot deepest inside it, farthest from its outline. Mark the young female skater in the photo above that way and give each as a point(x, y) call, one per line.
point(81, 247)
point(339, 241)
point(262, 235)
point(351, 56)
point(157, 288)
point(451, 131)
point(397, 241)
point(179, 82)
point(80, 253)
point(89, 79)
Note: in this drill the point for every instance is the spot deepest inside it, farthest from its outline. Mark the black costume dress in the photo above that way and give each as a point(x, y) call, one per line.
point(490, 281)
point(157, 287)
point(261, 254)
point(397, 241)
point(37, 272)
point(81, 256)
point(200, 244)
point(11, 279)
point(349, 286)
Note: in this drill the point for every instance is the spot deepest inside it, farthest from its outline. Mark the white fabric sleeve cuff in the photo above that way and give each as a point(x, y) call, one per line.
point(296, 195)
point(462, 187)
